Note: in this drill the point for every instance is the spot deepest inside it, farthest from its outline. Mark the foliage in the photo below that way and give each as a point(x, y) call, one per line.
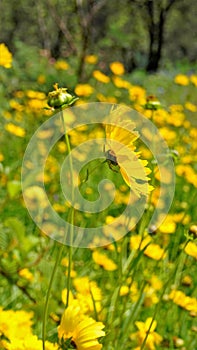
point(142, 287)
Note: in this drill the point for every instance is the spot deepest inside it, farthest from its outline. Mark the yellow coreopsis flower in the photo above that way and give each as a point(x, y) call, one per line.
point(103, 261)
point(5, 56)
point(117, 68)
point(91, 59)
point(153, 338)
point(15, 129)
point(84, 90)
point(101, 77)
point(191, 249)
point(121, 152)
point(30, 342)
point(61, 65)
point(25, 273)
point(181, 79)
point(80, 331)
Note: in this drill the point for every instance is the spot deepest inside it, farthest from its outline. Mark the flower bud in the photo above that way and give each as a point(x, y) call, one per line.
point(193, 230)
point(60, 98)
point(152, 103)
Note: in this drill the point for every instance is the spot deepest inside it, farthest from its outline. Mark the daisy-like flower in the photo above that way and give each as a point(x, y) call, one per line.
point(79, 331)
point(121, 153)
point(5, 56)
point(152, 339)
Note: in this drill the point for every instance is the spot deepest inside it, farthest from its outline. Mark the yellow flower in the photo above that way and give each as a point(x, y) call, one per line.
point(117, 68)
point(137, 94)
point(168, 225)
point(191, 107)
point(101, 77)
point(154, 251)
point(153, 338)
point(88, 294)
point(120, 138)
point(91, 59)
point(15, 130)
point(104, 261)
point(5, 56)
point(181, 79)
point(84, 90)
point(30, 342)
point(15, 324)
point(193, 79)
point(191, 249)
point(61, 65)
point(138, 242)
point(182, 300)
point(80, 331)
point(1, 157)
point(35, 94)
point(41, 79)
point(121, 83)
point(25, 273)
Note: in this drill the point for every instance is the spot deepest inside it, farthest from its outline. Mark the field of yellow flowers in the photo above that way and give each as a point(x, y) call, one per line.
point(133, 291)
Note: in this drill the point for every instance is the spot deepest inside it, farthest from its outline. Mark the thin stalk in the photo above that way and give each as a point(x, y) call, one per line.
point(70, 254)
point(62, 246)
point(46, 306)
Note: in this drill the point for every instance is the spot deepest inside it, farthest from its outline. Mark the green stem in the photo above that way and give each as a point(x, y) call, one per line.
point(62, 246)
point(70, 254)
point(46, 306)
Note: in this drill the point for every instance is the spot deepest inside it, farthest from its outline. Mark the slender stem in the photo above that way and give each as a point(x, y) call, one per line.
point(62, 246)
point(46, 306)
point(72, 211)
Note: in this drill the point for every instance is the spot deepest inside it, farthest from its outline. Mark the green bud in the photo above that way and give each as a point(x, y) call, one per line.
point(152, 103)
point(60, 98)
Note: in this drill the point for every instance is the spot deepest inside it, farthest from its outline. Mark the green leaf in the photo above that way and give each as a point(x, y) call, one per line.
point(16, 225)
point(14, 188)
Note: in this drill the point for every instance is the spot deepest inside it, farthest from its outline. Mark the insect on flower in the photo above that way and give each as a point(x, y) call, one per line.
point(121, 154)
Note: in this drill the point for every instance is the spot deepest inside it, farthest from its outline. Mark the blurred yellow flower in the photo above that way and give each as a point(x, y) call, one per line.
point(30, 342)
point(190, 107)
point(184, 301)
point(91, 59)
point(61, 65)
point(15, 129)
point(168, 225)
point(103, 98)
point(41, 79)
point(103, 261)
point(181, 79)
point(138, 242)
point(121, 83)
point(152, 339)
point(82, 332)
point(25, 273)
point(191, 249)
point(193, 79)
point(5, 56)
point(101, 76)
point(88, 294)
point(1, 157)
point(15, 324)
point(137, 94)
point(154, 251)
point(117, 68)
point(124, 290)
point(35, 94)
point(84, 90)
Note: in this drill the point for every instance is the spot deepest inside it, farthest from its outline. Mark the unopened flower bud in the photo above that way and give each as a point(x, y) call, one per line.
point(152, 103)
point(60, 98)
point(193, 230)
